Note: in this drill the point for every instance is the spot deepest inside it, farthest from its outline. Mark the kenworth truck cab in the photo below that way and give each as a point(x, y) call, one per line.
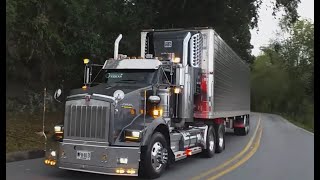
point(176, 100)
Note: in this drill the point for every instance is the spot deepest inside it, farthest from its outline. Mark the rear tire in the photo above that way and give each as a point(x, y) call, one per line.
point(155, 157)
point(211, 143)
point(220, 141)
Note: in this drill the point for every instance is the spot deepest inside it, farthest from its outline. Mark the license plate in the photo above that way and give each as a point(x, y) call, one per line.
point(84, 155)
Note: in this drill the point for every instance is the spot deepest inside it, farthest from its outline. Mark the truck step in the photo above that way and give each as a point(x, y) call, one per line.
point(180, 155)
point(188, 152)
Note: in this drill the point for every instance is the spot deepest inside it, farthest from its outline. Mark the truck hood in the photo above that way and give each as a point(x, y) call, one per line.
point(122, 115)
point(105, 89)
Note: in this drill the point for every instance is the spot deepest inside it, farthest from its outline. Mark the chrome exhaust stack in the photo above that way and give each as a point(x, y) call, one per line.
point(116, 47)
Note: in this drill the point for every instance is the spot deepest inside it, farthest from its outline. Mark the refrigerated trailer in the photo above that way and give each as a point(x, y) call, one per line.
point(176, 100)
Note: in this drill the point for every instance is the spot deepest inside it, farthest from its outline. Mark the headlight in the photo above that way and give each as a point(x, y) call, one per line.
point(58, 128)
point(53, 153)
point(58, 131)
point(136, 134)
point(132, 135)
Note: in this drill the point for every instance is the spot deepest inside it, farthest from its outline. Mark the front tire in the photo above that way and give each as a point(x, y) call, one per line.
point(156, 157)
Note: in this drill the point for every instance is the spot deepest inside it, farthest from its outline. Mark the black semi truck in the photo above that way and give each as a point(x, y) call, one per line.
point(176, 100)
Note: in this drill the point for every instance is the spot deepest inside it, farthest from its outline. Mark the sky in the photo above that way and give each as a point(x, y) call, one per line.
point(268, 25)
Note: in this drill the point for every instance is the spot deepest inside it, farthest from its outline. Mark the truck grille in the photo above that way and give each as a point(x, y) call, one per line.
point(87, 122)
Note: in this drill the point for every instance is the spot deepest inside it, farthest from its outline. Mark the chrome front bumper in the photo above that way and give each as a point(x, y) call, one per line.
point(103, 159)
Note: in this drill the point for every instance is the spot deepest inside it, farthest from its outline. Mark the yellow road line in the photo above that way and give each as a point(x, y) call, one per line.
point(231, 159)
point(245, 158)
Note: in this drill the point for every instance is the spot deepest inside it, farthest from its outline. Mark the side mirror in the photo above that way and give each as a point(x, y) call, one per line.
point(57, 94)
point(154, 99)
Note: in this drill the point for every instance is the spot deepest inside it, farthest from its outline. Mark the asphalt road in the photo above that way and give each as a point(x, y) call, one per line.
point(285, 152)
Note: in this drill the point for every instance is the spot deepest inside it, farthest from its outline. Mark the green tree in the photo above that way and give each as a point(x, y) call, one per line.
point(283, 76)
point(231, 19)
point(298, 54)
point(46, 40)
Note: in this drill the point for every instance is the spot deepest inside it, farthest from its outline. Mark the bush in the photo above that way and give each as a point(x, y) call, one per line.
point(32, 103)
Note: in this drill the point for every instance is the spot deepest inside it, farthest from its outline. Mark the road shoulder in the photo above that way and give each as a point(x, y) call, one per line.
point(24, 155)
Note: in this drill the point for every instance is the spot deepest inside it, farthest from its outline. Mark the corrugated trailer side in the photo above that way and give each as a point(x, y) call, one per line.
point(231, 81)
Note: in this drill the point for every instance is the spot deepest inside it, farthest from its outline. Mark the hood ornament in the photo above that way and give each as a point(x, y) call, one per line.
point(118, 95)
point(88, 97)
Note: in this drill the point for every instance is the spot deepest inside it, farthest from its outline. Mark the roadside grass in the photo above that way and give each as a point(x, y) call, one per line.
point(303, 124)
point(304, 120)
point(22, 128)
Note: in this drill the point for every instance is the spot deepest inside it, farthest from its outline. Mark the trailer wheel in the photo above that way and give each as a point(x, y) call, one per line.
point(245, 130)
point(248, 123)
point(219, 130)
point(156, 157)
point(211, 143)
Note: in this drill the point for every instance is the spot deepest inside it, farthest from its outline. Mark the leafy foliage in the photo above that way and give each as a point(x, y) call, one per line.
point(46, 40)
point(283, 77)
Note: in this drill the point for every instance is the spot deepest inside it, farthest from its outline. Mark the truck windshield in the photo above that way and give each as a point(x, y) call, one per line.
point(129, 76)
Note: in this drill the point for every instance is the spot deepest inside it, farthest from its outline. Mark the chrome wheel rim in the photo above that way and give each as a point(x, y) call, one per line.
point(247, 127)
point(211, 142)
point(159, 156)
point(221, 141)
